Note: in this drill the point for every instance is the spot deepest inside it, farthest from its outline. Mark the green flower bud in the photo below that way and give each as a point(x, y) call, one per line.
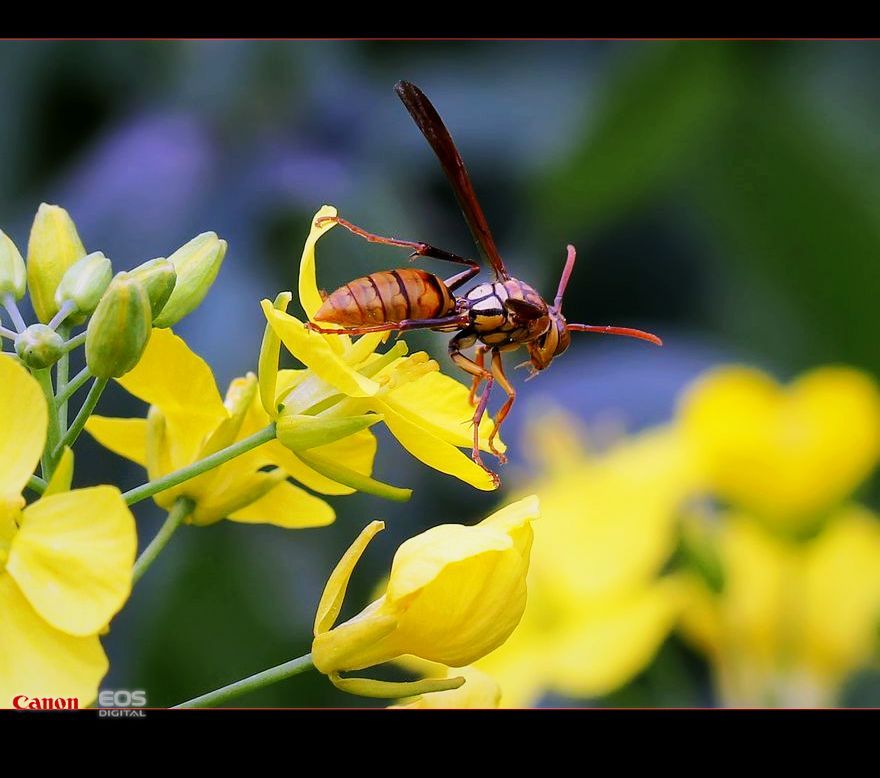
point(158, 277)
point(84, 282)
point(119, 329)
point(299, 432)
point(13, 273)
point(197, 264)
point(39, 346)
point(53, 247)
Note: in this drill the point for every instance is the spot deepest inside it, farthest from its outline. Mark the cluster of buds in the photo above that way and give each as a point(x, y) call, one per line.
point(69, 285)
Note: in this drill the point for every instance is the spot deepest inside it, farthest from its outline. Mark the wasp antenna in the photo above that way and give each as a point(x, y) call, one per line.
point(566, 274)
point(609, 330)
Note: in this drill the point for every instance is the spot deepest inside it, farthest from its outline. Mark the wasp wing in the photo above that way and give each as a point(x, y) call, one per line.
point(435, 132)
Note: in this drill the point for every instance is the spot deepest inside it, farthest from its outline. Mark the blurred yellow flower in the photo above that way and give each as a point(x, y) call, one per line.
point(793, 619)
point(479, 690)
point(785, 454)
point(598, 605)
point(454, 594)
point(188, 420)
point(426, 411)
point(65, 560)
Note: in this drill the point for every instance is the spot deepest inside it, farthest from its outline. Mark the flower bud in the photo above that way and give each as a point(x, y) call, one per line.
point(300, 432)
point(13, 274)
point(158, 277)
point(39, 346)
point(197, 264)
point(84, 282)
point(119, 330)
point(53, 247)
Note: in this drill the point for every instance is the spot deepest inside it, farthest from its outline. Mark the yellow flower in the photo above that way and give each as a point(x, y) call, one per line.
point(454, 594)
point(478, 691)
point(426, 411)
point(785, 454)
point(598, 605)
point(793, 619)
point(65, 560)
point(188, 420)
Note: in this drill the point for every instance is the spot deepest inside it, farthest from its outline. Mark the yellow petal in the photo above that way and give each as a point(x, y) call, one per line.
point(422, 558)
point(841, 597)
point(72, 557)
point(337, 583)
point(309, 296)
point(609, 524)
point(315, 351)
point(441, 404)
point(270, 352)
point(40, 661)
point(240, 397)
point(467, 610)
point(126, 437)
point(435, 452)
point(603, 647)
point(460, 592)
point(23, 420)
point(515, 520)
point(227, 489)
point(180, 383)
point(354, 644)
point(63, 475)
point(287, 506)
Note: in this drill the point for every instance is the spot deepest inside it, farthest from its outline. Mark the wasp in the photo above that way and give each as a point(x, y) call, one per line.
point(501, 315)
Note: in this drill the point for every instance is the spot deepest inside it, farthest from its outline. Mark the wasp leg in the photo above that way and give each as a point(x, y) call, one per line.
point(475, 384)
point(469, 366)
point(498, 372)
point(457, 320)
point(418, 250)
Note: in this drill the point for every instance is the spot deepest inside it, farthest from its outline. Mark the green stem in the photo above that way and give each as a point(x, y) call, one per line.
point(76, 340)
point(345, 475)
point(73, 386)
point(183, 507)
point(62, 373)
point(216, 459)
point(251, 683)
point(37, 484)
point(83, 416)
point(44, 378)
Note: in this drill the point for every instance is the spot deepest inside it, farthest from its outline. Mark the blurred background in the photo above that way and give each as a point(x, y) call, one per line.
point(723, 195)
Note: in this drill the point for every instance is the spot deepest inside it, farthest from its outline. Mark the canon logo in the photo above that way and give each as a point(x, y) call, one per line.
point(23, 702)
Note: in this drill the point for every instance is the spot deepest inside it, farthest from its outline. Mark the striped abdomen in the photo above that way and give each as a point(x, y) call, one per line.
point(387, 296)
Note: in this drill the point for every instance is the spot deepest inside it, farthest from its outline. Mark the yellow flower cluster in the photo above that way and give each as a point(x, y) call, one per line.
point(67, 560)
point(799, 601)
point(734, 524)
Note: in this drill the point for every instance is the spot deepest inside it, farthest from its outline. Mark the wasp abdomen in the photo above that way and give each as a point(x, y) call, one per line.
point(387, 296)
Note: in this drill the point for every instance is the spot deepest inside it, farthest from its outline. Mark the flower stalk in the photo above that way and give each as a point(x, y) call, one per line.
point(146, 490)
point(251, 683)
point(183, 507)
